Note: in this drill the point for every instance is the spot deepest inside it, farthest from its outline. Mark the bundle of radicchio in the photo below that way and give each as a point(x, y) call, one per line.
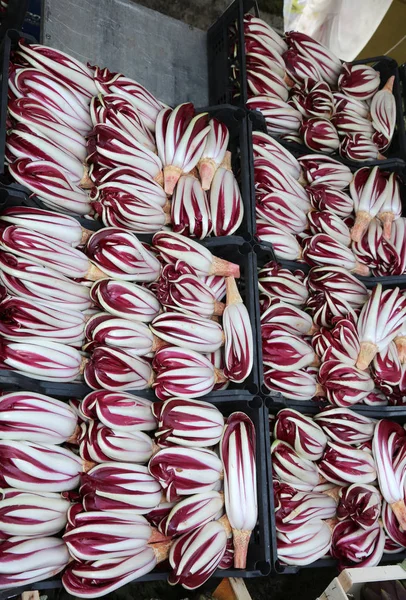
point(343, 383)
point(285, 351)
point(121, 255)
point(98, 535)
point(189, 423)
point(133, 337)
point(237, 327)
point(119, 410)
point(297, 385)
point(213, 153)
point(52, 185)
point(97, 578)
point(389, 450)
point(116, 370)
point(190, 212)
point(342, 464)
point(27, 279)
point(40, 359)
point(191, 513)
point(283, 284)
point(98, 443)
point(320, 169)
point(24, 561)
point(146, 104)
point(291, 468)
point(187, 294)
point(48, 513)
point(383, 114)
point(338, 280)
point(61, 227)
point(185, 471)
point(266, 146)
point(289, 317)
point(279, 116)
point(301, 432)
point(238, 447)
point(20, 319)
point(320, 135)
point(335, 201)
point(181, 138)
point(303, 545)
point(188, 331)
point(182, 372)
point(196, 555)
point(174, 247)
point(380, 320)
point(359, 81)
point(121, 488)
point(361, 503)
point(294, 509)
point(285, 245)
point(368, 190)
point(352, 545)
point(345, 426)
point(38, 467)
point(328, 65)
point(125, 299)
point(32, 417)
point(323, 249)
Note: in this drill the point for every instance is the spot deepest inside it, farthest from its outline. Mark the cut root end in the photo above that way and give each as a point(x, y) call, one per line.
point(161, 550)
point(232, 294)
point(224, 268)
point(361, 269)
point(207, 167)
point(362, 221)
point(218, 308)
point(400, 343)
point(366, 355)
point(399, 509)
point(219, 376)
point(240, 541)
point(86, 234)
point(86, 183)
point(387, 219)
point(94, 273)
point(171, 178)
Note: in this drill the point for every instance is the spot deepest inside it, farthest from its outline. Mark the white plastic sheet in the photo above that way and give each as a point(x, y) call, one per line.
point(344, 26)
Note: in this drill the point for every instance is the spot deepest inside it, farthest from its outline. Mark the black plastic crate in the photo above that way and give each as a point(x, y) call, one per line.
point(375, 413)
point(259, 551)
point(233, 117)
point(393, 166)
point(241, 158)
point(396, 153)
point(223, 84)
point(232, 248)
point(264, 255)
point(220, 41)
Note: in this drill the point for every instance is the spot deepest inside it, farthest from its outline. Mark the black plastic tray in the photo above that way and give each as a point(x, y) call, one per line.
point(259, 552)
point(232, 248)
point(277, 566)
point(396, 153)
point(223, 85)
point(265, 254)
point(232, 116)
point(393, 166)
